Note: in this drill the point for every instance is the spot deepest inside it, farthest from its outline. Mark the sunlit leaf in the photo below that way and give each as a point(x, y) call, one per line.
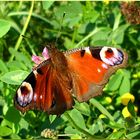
point(133, 135)
point(70, 130)
point(47, 4)
point(5, 131)
point(3, 67)
point(83, 108)
point(125, 85)
point(115, 82)
point(117, 35)
point(116, 135)
point(14, 77)
point(76, 115)
point(4, 27)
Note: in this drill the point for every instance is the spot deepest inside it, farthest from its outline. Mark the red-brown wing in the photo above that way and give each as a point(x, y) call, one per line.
point(44, 90)
point(91, 69)
point(63, 99)
point(35, 90)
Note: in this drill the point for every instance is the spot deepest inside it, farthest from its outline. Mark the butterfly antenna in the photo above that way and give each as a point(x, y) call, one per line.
point(59, 32)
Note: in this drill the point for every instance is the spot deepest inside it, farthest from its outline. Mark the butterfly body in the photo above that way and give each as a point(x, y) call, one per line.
point(80, 73)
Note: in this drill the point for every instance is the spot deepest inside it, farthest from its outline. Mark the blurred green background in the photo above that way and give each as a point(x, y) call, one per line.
point(113, 115)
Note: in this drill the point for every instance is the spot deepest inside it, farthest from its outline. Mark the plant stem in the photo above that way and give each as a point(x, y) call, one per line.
point(32, 14)
point(88, 36)
point(24, 29)
point(101, 108)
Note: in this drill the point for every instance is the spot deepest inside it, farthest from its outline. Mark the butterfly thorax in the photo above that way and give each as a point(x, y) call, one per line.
point(58, 60)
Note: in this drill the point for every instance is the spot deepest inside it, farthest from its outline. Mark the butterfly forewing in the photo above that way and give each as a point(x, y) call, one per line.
point(91, 68)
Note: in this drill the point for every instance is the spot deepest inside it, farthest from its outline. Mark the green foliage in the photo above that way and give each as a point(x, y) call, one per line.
point(85, 23)
point(14, 77)
point(4, 27)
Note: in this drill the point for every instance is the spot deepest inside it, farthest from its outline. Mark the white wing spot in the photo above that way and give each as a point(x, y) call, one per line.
point(35, 97)
point(104, 66)
point(99, 70)
point(87, 50)
point(40, 96)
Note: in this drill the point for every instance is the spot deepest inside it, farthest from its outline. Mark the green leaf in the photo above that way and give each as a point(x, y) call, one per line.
point(76, 115)
point(133, 135)
point(115, 81)
point(83, 108)
point(101, 34)
point(2, 101)
point(117, 35)
point(58, 121)
point(5, 131)
point(3, 67)
point(4, 27)
point(95, 103)
point(14, 77)
point(52, 118)
point(116, 135)
point(125, 85)
point(16, 65)
point(94, 128)
point(23, 123)
point(6, 123)
point(68, 43)
point(15, 136)
point(86, 28)
point(70, 130)
point(100, 124)
point(131, 109)
point(13, 115)
point(20, 57)
point(47, 4)
point(73, 12)
point(76, 136)
point(117, 21)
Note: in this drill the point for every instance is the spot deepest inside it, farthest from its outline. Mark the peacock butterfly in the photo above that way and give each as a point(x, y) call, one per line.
point(61, 76)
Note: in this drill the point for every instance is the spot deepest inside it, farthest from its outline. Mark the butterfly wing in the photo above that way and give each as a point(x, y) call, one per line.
point(91, 68)
point(35, 89)
point(63, 99)
point(44, 90)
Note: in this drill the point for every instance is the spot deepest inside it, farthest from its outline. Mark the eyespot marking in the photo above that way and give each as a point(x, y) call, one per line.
point(109, 53)
point(24, 94)
point(111, 56)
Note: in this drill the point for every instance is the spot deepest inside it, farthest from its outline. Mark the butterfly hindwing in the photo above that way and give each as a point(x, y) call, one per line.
point(62, 94)
point(34, 90)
